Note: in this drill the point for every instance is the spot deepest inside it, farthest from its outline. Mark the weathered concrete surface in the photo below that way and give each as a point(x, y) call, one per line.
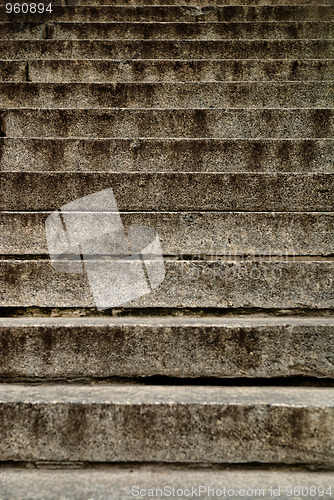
point(119, 483)
point(169, 49)
point(167, 70)
point(184, 13)
point(14, 71)
point(176, 123)
point(196, 2)
point(166, 155)
point(108, 423)
point(172, 191)
point(258, 283)
point(171, 30)
point(241, 346)
point(162, 95)
point(187, 233)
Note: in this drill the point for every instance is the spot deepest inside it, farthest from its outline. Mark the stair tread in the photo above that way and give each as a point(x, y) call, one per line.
point(275, 282)
point(58, 30)
point(119, 483)
point(124, 122)
point(178, 13)
point(173, 190)
point(191, 233)
point(167, 49)
point(159, 95)
point(193, 155)
point(254, 345)
point(155, 395)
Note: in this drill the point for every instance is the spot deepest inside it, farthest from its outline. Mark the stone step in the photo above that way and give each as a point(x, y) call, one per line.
point(148, 70)
point(167, 155)
point(176, 123)
point(199, 2)
point(127, 482)
point(174, 191)
point(212, 346)
point(167, 49)
point(156, 13)
point(162, 95)
point(135, 423)
point(193, 3)
point(170, 30)
point(195, 233)
point(270, 282)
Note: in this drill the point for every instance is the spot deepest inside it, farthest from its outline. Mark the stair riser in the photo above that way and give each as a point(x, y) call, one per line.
point(163, 95)
point(173, 31)
point(172, 192)
point(235, 13)
point(186, 233)
point(170, 123)
point(71, 349)
point(166, 71)
point(169, 49)
point(275, 284)
point(167, 155)
point(148, 424)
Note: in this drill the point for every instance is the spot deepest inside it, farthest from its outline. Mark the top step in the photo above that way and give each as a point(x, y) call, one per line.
point(190, 2)
point(178, 13)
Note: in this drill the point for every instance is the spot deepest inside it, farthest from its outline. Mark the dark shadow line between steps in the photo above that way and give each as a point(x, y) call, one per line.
point(204, 257)
point(162, 380)
point(165, 466)
point(77, 312)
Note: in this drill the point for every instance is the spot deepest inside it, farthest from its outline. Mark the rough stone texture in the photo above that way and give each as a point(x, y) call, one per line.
point(181, 70)
point(242, 346)
point(196, 233)
point(120, 423)
point(161, 95)
point(119, 483)
point(195, 2)
point(230, 13)
point(176, 123)
point(173, 31)
point(180, 424)
point(166, 155)
point(169, 49)
point(172, 191)
point(275, 283)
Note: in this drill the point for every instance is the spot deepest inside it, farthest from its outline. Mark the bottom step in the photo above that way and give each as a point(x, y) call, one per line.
point(184, 424)
point(116, 483)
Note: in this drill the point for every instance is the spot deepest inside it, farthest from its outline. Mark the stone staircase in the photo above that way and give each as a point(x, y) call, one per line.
point(213, 123)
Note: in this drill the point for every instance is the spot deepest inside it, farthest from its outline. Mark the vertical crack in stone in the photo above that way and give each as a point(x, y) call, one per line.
point(2, 124)
point(28, 79)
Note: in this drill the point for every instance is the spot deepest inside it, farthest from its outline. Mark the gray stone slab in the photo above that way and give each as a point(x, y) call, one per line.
point(224, 283)
point(116, 423)
point(168, 70)
point(184, 13)
point(167, 155)
point(163, 95)
point(170, 30)
point(176, 123)
point(168, 49)
point(172, 191)
point(187, 233)
point(243, 346)
point(122, 483)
